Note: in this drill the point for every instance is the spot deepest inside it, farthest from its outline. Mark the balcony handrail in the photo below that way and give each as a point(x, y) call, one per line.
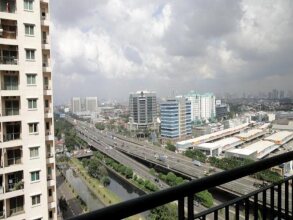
point(9, 60)
point(150, 201)
point(11, 136)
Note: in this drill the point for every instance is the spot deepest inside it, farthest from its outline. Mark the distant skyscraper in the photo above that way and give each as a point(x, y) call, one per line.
point(27, 162)
point(282, 94)
point(91, 104)
point(176, 119)
point(202, 106)
point(275, 94)
point(143, 110)
point(76, 105)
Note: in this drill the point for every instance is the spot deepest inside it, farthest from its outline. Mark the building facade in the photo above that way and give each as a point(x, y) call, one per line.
point(203, 106)
point(175, 119)
point(91, 104)
point(27, 164)
point(76, 105)
point(143, 110)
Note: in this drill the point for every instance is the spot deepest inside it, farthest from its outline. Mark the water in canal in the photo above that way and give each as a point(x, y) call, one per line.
point(117, 185)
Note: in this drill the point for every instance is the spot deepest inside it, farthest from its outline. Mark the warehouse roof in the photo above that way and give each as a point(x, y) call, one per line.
point(279, 136)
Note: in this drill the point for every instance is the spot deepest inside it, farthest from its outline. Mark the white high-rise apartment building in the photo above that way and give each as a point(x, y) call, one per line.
point(27, 163)
point(76, 105)
point(91, 104)
point(202, 106)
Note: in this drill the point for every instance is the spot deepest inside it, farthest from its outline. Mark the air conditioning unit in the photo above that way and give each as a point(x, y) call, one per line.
point(1, 31)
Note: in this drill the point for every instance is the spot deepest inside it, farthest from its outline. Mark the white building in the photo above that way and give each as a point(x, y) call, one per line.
point(91, 104)
point(255, 151)
point(280, 137)
point(76, 105)
point(27, 164)
point(203, 106)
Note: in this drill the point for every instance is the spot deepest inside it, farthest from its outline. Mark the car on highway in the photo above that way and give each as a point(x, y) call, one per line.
point(196, 163)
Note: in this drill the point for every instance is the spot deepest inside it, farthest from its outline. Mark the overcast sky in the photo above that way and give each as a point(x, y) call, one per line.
point(108, 48)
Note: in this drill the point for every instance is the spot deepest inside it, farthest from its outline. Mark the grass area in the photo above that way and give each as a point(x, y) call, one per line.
point(106, 196)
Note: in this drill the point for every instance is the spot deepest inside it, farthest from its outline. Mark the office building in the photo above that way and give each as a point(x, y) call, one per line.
point(175, 119)
point(27, 171)
point(143, 110)
point(76, 105)
point(203, 106)
point(91, 104)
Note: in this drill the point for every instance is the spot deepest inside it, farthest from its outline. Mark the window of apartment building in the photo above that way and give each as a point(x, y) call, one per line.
point(30, 54)
point(31, 79)
point(36, 199)
point(50, 214)
point(50, 192)
point(32, 103)
point(33, 128)
point(35, 176)
point(28, 5)
point(29, 29)
point(34, 152)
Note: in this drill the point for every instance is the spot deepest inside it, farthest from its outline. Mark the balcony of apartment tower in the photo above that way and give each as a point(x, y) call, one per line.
point(15, 206)
point(8, 57)
point(12, 132)
point(49, 129)
point(46, 61)
point(2, 213)
point(47, 84)
point(8, 29)
point(1, 184)
point(12, 157)
point(48, 106)
point(44, 13)
point(8, 6)
point(49, 152)
point(10, 108)
point(45, 38)
point(14, 182)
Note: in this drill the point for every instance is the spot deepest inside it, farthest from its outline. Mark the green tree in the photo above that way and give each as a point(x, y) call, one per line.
point(106, 181)
point(171, 147)
point(205, 198)
point(93, 168)
point(165, 212)
point(196, 155)
point(128, 173)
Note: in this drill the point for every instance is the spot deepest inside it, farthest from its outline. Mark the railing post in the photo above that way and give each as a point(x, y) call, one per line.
point(247, 209)
point(227, 212)
point(279, 201)
point(255, 206)
point(264, 204)
point(190, 207)
point(287, 199)
point(272, 203)
point(181, 209)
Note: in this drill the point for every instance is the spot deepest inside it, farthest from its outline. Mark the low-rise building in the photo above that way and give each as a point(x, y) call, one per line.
point(251, 134)
point(280, 137)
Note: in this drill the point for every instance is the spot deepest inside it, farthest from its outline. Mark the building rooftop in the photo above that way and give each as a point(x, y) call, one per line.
point(249, 133)
point(279, 136)
point(204, 138)
point(255, 147)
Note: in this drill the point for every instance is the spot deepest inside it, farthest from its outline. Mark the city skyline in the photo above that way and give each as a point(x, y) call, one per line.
point(112, 48)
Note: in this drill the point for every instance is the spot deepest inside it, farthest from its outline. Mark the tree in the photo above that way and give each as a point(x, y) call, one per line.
point(196, 155)
point(171, 147)
point(128, 173)
point(165, 212)
point(93, 168)
point(62, 204)
point(103, 171)
point(205, 198)
point(106, 181)
point(100, 126)
point(171, 179)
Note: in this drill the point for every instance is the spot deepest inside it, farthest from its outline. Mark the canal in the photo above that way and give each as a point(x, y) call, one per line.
point(119, 186)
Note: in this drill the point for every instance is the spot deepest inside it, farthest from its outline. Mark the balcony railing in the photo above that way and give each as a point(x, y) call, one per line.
point(12, 86)
point(16, 210)
point(2, 214)
point(14, 186)
point(9, 60)
point(13, 161)
point(8, 7)
point(269, 202)
point(11, 111)
point(8, 34)
point(11, 136)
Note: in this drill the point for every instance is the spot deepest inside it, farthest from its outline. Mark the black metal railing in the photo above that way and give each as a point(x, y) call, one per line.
point(255, 203)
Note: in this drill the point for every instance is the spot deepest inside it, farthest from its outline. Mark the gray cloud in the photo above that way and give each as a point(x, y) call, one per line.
point(109, 48)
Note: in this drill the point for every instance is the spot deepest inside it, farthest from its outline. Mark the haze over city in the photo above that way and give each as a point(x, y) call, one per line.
point(111, 48)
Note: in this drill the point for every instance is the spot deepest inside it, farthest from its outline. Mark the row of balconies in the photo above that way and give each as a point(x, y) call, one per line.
point(14, 206)
point(12, 131)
